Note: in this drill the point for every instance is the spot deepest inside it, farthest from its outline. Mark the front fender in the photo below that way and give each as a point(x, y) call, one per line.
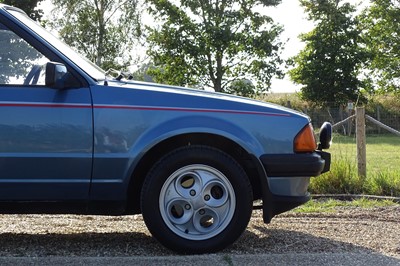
point(196, 124)
point(118, 152)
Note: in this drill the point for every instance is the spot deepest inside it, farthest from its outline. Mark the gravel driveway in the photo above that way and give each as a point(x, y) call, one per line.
point(354, 231)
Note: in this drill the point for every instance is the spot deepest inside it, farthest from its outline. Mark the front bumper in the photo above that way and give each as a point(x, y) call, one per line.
point(288, 179)
point(307, 164)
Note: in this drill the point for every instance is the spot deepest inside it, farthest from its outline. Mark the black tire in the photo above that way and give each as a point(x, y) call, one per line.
point(196, 199)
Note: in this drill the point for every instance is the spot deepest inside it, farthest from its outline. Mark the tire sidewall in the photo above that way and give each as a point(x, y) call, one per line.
point(190, 156)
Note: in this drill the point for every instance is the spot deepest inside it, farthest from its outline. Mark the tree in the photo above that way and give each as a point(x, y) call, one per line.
point(29, 6)
point(17, 57)
point(242, 87)
point(329, 65)
point(214, 43)
point(141, 72)
point(380, 22)
point(103, 30)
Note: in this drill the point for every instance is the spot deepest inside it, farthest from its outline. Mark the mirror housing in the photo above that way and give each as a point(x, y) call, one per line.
point(325, 136)
point(58, 77)
point(54, 74)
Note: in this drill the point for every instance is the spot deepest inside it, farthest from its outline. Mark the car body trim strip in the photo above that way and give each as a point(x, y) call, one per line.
point(137, 107)
point(183, 109)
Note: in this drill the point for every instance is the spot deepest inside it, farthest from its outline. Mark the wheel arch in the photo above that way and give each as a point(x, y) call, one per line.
point(248, 161)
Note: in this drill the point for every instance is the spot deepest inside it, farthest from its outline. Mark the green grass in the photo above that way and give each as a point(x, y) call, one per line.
point(331, 205)
point(383, 168)
point(383, 153)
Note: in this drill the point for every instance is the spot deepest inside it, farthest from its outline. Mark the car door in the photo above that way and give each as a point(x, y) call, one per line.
point(46, 135)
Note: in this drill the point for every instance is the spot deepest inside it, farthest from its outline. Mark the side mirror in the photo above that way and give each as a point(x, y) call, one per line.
point(325, 136)
point(55, 75)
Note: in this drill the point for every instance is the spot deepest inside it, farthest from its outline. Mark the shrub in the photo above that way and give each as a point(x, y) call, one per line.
point(341, 179)
point(385, 183)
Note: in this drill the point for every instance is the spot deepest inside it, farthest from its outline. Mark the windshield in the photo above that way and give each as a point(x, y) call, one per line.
point(91, 69)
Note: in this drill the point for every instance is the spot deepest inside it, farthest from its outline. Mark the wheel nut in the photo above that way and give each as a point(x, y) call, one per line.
point(207, 197)
point(187, 207)
point(202, 212)
point(192, 193)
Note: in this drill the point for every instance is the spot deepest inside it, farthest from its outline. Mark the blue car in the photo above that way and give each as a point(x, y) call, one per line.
point(74, 140)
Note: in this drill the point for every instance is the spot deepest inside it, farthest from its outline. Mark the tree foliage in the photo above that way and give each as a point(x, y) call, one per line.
point(329, 65)
point(381, 24)
point(214, 43)
point(141, 73)
point(29, 6)
point(241, 87)
point(17, 57)
point(103, 30)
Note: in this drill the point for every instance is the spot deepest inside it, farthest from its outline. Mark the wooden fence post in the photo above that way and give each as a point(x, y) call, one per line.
point(378, 116)
point(361, 142)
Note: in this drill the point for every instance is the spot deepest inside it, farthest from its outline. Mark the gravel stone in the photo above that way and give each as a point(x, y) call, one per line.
point(347, 230)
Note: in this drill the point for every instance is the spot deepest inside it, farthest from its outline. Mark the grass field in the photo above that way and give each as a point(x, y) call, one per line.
point(383, 167)
point(331, 205)
point(383, 151)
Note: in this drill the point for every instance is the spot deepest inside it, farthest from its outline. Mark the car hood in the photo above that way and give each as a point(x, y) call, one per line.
point(226, 101)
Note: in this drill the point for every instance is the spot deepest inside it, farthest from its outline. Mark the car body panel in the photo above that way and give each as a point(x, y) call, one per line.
point(150, 115)
point(45, 143)
point(84, 144)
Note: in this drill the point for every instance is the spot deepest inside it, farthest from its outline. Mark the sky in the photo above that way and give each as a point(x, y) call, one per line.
point(292, 16)
point(289, 14)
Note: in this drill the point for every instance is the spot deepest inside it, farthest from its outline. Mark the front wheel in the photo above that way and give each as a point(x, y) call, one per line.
point(196, 199)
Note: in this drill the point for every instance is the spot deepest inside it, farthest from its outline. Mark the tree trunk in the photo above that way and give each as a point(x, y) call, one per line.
point(220, 73)
point(100, 43)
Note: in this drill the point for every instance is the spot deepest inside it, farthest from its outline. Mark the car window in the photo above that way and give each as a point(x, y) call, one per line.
point(20, 63)
point(90, 68)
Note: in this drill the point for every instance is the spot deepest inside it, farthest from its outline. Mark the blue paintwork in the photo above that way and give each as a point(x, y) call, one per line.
point(45, 152)
point(138, 129)
point(84, 143)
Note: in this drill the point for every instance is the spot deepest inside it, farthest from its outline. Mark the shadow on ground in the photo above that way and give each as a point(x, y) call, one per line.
point(274, 241)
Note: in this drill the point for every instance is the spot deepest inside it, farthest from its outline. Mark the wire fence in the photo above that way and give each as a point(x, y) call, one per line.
point(337, 114)
point(357, 123)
